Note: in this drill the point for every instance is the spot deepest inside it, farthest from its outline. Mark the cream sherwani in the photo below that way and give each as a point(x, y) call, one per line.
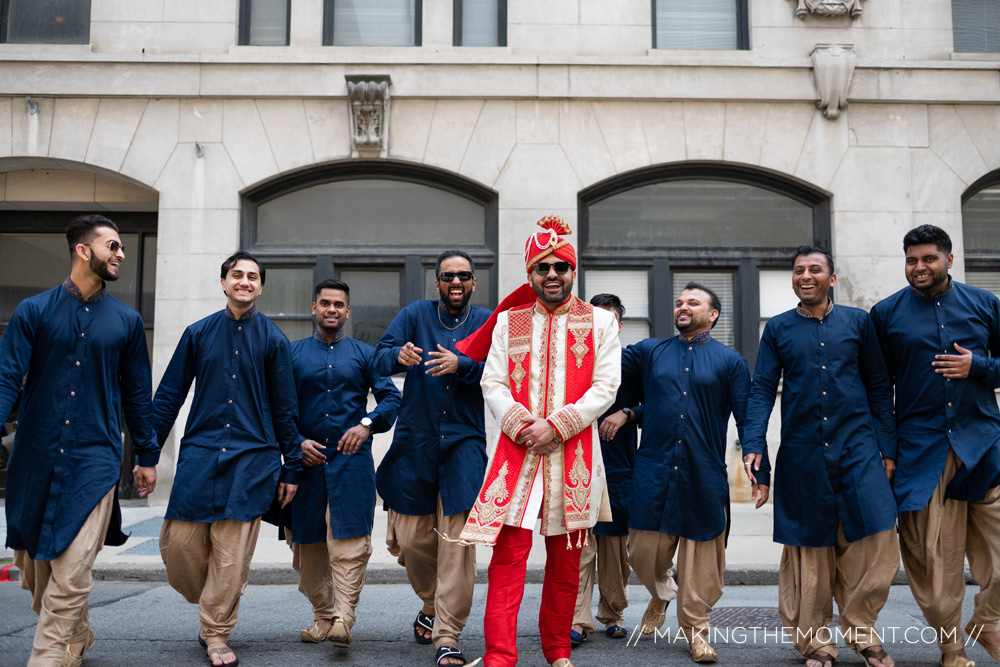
point(539, 488)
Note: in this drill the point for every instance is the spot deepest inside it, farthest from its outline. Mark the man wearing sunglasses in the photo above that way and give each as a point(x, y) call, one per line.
point(85, 354)
point(430, 475)
point(553, 366)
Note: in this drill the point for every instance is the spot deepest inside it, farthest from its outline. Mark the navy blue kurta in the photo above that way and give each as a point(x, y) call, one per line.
point(836, 425)
point(439, 444)
point(934, 413)
point(85, 361)
point(332, 382)
point(619, 459)
point(680, 486)
point(241, 422)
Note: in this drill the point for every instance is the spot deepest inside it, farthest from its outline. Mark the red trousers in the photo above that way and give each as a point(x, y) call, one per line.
point(506, 589)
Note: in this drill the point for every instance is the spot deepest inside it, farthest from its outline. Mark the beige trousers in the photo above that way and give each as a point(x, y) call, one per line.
point(857, 574)
point(610, 552)
point(441, 573)
point(208, 563)
point(331, 575)
point(700, 568)
point(935, 541)
point(60, 588)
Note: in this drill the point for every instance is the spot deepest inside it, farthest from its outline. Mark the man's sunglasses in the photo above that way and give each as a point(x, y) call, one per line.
point(449, 276)
point(561, 268)
point(114, 246)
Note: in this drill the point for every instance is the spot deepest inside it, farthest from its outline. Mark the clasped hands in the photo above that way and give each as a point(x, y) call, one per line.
point(539, 436)
point(444, 360)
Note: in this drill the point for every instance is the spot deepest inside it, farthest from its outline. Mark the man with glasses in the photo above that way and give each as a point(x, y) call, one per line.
point(941, 341)
point(430, 475)
point(690, 384)
point(833, 510)
point(329, 522)
point(84, 353)
point(553, 366)
point(240, 444)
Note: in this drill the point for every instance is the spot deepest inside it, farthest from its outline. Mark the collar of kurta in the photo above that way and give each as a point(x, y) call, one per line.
point(246, 316)
point(562, 309)
point(703, 337)
point(444, 308)
point(806, 313)
point(927, 296)
point(75, 292)
point(339, 336)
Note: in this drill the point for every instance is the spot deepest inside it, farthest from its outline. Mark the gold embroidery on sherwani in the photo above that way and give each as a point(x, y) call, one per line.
point(519, 344)
point(579, 327)
point(580, 478)
point(494, 498)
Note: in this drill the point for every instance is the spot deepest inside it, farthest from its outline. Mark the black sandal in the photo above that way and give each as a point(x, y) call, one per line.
point(449, 652)
point(427, 623)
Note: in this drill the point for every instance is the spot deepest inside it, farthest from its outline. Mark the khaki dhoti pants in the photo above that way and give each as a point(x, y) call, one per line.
point(611, 555)
point(441, 573)
point(935, 541)
point(332, 574)
point(700, 568)
point(857, 574)
point(60, 588)
point(208, 563)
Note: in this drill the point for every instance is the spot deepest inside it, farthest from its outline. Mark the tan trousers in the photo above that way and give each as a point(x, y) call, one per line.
point(331, 575)
point(611, 555)
point(700, 568)
point(60, 588)
point(857, 574)
point(935, 541)
point(208, 563)
point(441, 573)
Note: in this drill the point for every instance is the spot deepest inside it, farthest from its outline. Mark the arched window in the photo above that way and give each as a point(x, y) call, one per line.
point(377, 226)
point(648, 233)
point(981, 232)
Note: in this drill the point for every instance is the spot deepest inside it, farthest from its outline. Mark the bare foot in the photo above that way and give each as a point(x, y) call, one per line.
point(220, 654)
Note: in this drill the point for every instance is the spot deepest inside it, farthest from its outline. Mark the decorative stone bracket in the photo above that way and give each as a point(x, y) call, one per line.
point(833, 67)
point(368, 104)
point(828, 8)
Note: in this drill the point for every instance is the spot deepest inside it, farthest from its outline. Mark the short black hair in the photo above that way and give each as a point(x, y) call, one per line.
point(83, 229)
point(453, 253)
point(609, 301)
point(713, 298)
point(237, 256)
point(330, 283)
point(813, 250)
point(928, 234)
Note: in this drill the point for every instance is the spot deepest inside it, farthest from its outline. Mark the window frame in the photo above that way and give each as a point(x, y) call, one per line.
point(4, 25)
point(245, 17)
point(742, 27)
point(980, 260)
point(662, 263)
point(418, 26)
point(501, 24)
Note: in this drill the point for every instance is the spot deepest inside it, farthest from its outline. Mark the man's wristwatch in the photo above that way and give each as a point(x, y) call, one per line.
point(366, 421)
point(629, 415)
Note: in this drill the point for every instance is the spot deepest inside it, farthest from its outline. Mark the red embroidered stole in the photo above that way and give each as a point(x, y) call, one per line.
point(488, 514)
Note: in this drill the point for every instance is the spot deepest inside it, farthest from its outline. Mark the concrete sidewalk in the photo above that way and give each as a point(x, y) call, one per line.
point(751, 558)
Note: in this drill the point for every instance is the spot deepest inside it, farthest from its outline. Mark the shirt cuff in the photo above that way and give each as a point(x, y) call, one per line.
point(566, 422)
point(289, 476)
point(147, 459)
point(511, 423)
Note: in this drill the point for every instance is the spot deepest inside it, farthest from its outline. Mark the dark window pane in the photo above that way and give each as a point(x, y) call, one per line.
point(480, 22)
point(699, 214)
point(374, 303)
point(370, 213)
point(981, 222)
point(287, 299)
point(268, 22)
point(720, 282)
point(374, 23)
point(481, 297)
point(29, 265)
point(696, 24)
point(976, 26)
point(48, 21)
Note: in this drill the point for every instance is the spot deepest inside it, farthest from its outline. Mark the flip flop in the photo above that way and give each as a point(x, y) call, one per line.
point(221, 651)
point(427, 623)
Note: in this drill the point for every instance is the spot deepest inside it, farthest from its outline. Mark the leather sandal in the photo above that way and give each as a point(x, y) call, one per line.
point(219, 651)
point(872, 653)
point(974, 631)
point(652, 620)
point(339, 633)
point(314, 635)
point(70, 659)
point(704, 652)
point(825, 659)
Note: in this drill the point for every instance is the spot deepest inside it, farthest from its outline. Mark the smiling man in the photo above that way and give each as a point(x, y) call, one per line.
point(84, 353)
point(329, 522)
point(833, 506)
point(430, 475)
point(240, 444)
point(691, 384)
point(941, 341)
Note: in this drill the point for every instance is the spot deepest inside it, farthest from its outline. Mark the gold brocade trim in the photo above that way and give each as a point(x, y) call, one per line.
point(523, 488)
point(580, 326)
point(568, 421)
point(518, 344)
point(579, 477)
point(490, 507)
point(553, 358)
point(546, 492)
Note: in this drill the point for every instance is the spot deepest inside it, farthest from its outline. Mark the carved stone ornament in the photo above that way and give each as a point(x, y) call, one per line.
point(368, 97)
point(830, 8)
point(833, 67)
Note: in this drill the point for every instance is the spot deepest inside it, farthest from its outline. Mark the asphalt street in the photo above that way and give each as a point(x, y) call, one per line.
point(145, 624)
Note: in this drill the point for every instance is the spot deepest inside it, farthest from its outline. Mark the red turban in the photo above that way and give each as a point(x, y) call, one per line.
point(540, 245)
